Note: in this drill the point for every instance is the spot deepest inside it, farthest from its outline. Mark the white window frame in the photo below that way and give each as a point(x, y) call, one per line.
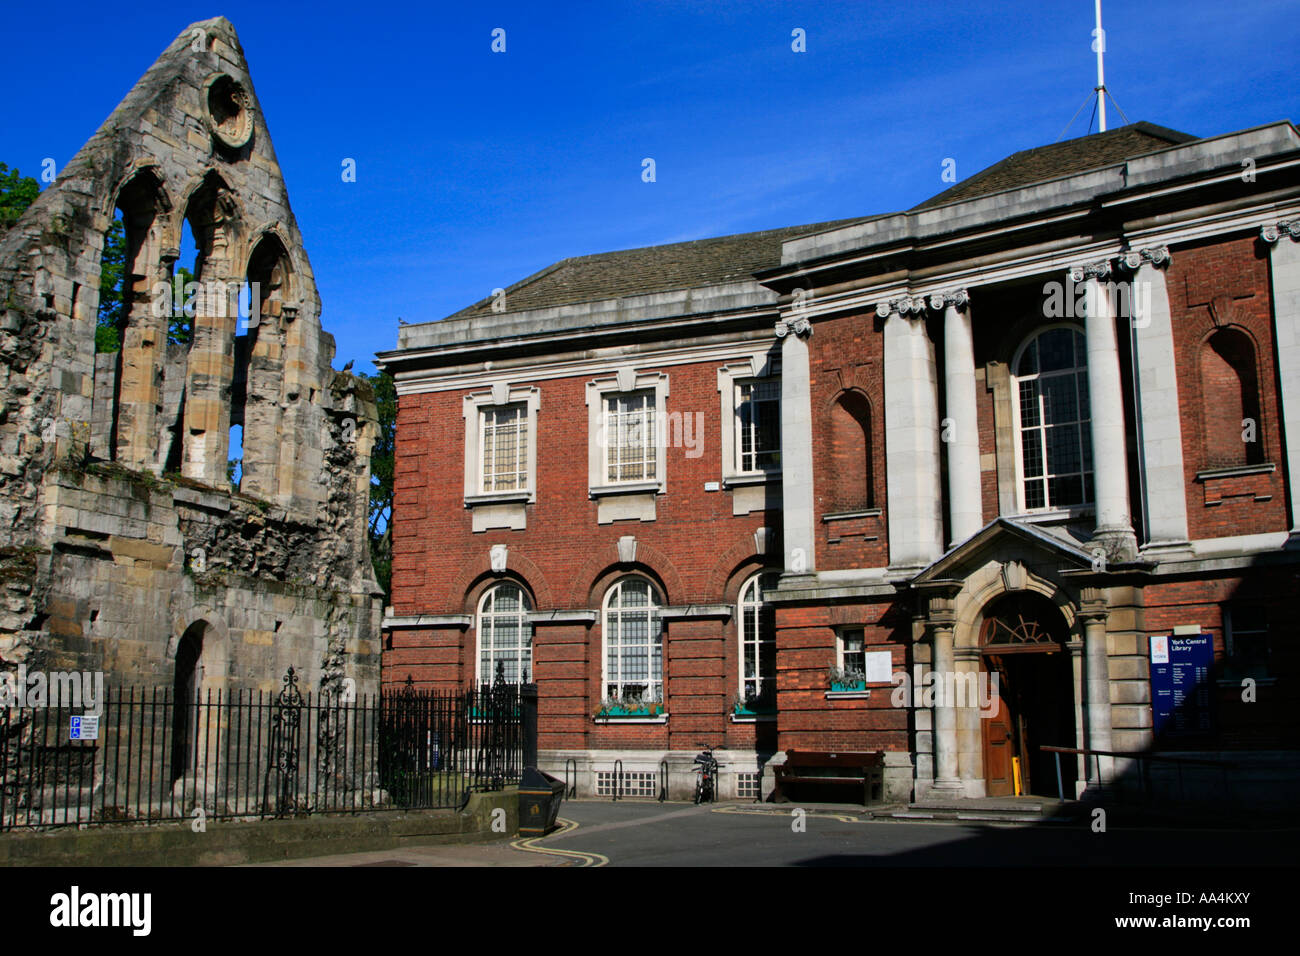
point(639, 451)
point(518, 468)
point(626, 380)
point(607, 631)
point(1048, 510)
point(485, 626)
point(839, 647)
point(759, 367)
point(744, 605)
point(474, 407)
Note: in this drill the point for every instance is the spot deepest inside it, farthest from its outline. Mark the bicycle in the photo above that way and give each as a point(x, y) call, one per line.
point(706, 784)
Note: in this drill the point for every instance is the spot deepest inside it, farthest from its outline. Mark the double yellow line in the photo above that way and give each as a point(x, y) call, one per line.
point(816, 815)
point(576, 857)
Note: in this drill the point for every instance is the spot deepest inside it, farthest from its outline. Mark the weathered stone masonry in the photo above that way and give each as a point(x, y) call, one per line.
point(120, 535)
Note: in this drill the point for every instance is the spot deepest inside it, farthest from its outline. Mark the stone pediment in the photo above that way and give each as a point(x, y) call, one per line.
point(1032, 546)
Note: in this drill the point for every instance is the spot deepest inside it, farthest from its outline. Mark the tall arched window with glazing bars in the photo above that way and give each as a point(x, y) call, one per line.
point(634, 644)
point(757, 631)
point(1054, 450)
point(505, 635)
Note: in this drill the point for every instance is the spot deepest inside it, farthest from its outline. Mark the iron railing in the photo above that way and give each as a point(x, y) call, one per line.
point(255, 754)
point(1129, 775)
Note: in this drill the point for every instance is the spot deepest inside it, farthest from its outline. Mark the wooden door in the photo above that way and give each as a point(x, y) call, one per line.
point(999, 748)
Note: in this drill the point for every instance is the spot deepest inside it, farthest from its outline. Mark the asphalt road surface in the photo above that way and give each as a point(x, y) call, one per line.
point(652, 834)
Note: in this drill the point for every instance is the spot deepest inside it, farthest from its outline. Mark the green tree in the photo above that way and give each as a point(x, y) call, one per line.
point(180, 329)
point(17, 192)
point(112, 303)
point(381, 480)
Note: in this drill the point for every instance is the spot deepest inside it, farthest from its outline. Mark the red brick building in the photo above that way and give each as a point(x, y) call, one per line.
point(819, 487)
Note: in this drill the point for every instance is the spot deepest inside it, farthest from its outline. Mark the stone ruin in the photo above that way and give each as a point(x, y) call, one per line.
point(124, 546)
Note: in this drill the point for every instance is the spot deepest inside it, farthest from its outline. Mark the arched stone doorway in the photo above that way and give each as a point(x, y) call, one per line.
point(186, 682)
point(1024, 643)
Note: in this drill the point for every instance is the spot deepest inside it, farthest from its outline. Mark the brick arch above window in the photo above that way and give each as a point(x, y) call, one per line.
point(476, 574)
point(735, 566)
point(594, 577)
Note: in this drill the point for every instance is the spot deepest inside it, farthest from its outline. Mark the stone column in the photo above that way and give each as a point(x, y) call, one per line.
point(913, 493)
point(210, 371)
point(960, 427)
point(943, 619)
point(1114, 528)
point(796, 446)
point(144, 352)
point(1161, 448)
point(1283, 239)
point(1093, 611)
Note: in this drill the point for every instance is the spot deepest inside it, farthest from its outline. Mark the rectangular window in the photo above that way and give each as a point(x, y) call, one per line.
point(758, 425)
point(852, 654)
point(504, 445)
point(1246, 640)
point(630, 432)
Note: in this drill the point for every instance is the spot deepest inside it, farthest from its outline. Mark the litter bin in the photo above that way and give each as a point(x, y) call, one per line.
point(540, 795)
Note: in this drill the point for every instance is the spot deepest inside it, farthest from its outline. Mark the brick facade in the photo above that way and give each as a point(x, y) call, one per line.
point(1092, 580)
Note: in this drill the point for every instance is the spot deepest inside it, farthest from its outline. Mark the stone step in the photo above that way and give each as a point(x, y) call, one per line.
point(982, 811)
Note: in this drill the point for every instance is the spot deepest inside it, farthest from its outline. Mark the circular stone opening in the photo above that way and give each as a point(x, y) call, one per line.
point(229, 112)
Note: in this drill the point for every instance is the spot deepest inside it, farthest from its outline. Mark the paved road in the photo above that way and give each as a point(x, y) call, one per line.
point(653, 834)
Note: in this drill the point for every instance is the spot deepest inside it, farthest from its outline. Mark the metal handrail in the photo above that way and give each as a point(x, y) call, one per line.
point(1144, 760)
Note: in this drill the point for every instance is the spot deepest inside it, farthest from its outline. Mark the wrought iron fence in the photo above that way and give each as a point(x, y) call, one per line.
point(255, 754)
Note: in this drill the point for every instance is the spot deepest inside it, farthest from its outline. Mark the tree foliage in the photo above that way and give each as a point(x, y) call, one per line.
point(381, 480)
point(17, 192)
point(112, 302)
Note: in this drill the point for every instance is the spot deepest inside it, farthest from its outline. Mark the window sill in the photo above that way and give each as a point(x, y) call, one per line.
point(1236, 471)
point(500, 498)
point(1051, 515)
point(752, 718)
point(755, 478)
point(628, 488)
point(656, 719)
point(846, 515)
point(847, 694)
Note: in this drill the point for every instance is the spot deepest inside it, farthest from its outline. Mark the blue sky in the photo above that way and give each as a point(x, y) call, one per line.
point(475, 169)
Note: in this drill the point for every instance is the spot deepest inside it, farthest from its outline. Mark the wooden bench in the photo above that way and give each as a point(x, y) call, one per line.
point(822, 768)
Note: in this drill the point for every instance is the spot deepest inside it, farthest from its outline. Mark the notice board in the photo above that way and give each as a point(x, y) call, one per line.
point(1182, 668)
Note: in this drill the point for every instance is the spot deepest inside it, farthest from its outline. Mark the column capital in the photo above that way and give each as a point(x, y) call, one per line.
point(958, 299)
point(1133, 259)
point(1090, 270)
point(1274, 231)
point(1093, 605)
point(904, 306)
point(799, 325)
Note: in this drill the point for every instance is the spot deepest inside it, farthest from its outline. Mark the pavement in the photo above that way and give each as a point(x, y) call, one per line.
point(632, 833)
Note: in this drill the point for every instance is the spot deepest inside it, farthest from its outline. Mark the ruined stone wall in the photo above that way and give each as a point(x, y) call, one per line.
point(119, 531)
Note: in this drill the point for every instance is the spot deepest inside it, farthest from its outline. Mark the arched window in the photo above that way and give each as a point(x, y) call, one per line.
point(850, 447)
point(505, 635)
point(634, 643)
point(1230, 392)
point(757, 629)
point(1054, 450)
